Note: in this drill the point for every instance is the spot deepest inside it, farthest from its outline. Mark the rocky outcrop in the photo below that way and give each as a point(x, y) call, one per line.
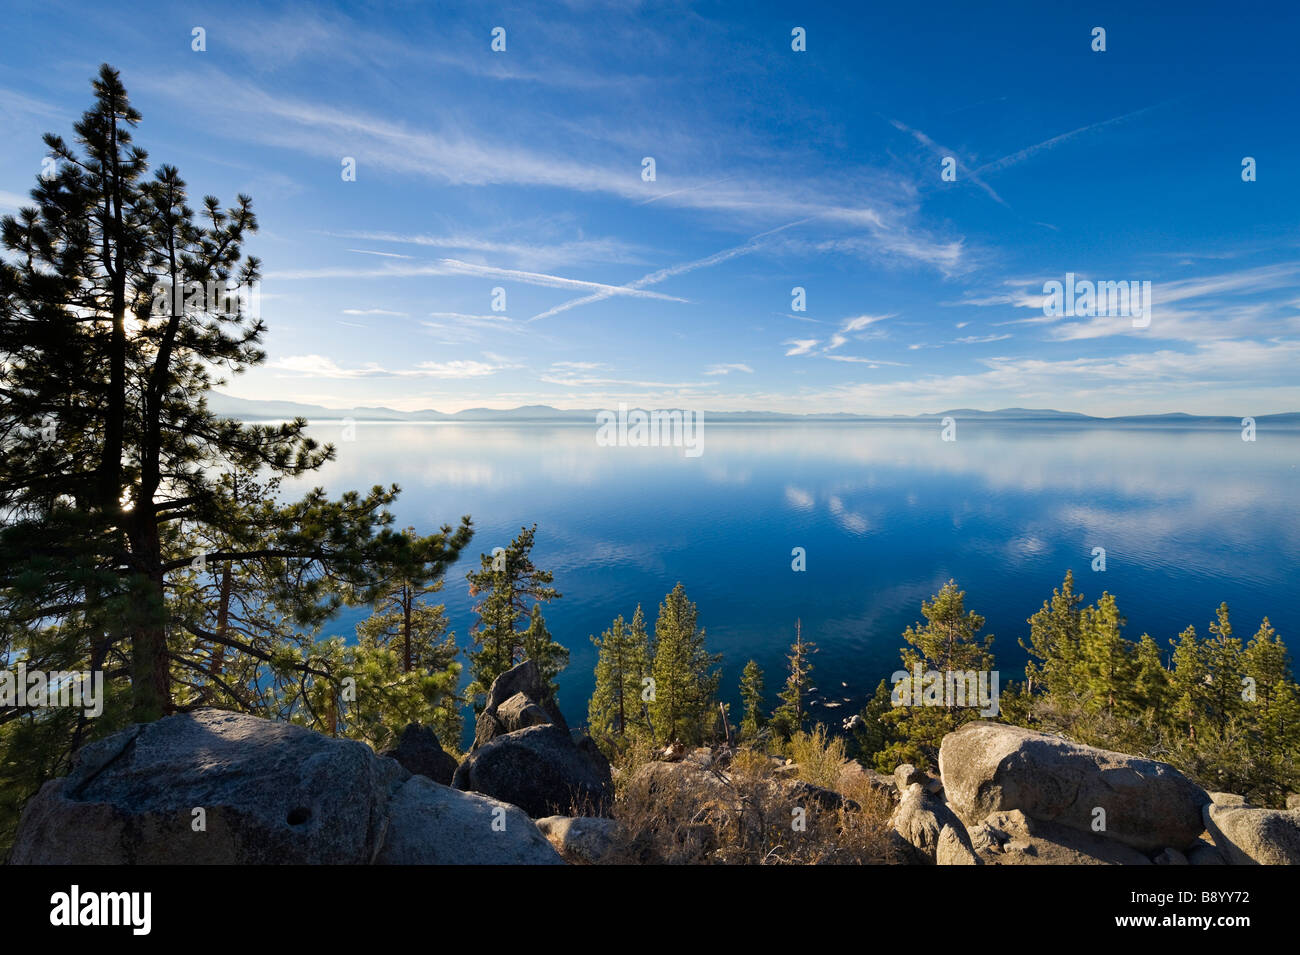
point(525, 754)
point(419, 752)
point(1247, 836)
point(991, 767)
point(925, 825)
point(659, 776)
point(517, 691)
point(1227, 799)
point(954, 848)
point(712, 786)
point(906, 774)
point(520, 712)
point(431, 824)
point(214, 787)
point(541, 770)
point(1010, 837)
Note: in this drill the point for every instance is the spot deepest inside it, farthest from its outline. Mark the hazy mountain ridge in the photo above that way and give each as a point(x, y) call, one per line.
point(243, 407)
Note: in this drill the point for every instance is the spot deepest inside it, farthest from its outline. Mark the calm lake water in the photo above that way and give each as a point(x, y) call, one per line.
point(887, 512)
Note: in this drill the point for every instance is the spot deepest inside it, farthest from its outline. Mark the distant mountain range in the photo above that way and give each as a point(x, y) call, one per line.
point(278, 410)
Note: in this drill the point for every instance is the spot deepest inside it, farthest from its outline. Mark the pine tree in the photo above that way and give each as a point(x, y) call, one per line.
point(1151, 682)
point(1273, 709)
point(1224, 662)
point(640, 675)
point(403, 621)
point(948, 641)
point(1187, 683)
point(685, 681)
point(751, 699)
point(1268, 663)
point(379, 699)
point(1107, 661)
point(614, 711)
point(1054, 634)
point(789, 716)
point(874, 734)
point(511, 588)
point(119, 305)
point(551, 657)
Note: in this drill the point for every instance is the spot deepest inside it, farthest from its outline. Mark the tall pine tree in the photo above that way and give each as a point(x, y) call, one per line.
point(615, 711)
point(120, 307)
point(949, 640)
point(511, 588)
point(789, 716)
point(751, 699)
point(685, 681)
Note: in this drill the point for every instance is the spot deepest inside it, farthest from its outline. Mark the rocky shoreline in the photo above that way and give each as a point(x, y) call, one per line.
point(213, 786)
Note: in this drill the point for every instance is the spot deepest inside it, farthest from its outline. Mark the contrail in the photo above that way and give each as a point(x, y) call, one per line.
point(749, 245)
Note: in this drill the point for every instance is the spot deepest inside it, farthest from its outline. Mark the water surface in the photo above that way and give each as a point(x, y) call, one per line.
point(886, 512)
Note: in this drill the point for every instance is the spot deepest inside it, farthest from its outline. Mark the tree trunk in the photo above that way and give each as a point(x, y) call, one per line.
point(150, 666)
point(223, 620)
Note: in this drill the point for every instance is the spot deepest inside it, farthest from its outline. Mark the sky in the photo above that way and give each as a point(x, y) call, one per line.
point(523, 170)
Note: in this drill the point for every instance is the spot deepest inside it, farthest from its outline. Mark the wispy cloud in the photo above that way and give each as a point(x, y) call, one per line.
point(320, 366)
point(851, 329)
point(878, 215)
point(871, 362)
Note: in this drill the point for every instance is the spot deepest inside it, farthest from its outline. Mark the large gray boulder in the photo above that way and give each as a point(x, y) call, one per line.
point(523, 680)
point(991, 767)
point(269, 792)
point(1248, 836)
point(542, 771)
point(419, 752)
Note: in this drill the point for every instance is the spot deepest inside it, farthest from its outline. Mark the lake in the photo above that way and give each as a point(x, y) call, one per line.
point(886, 513)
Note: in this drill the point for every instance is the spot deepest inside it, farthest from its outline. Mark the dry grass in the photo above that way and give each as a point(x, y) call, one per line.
point(740, 814)
point(818, 756)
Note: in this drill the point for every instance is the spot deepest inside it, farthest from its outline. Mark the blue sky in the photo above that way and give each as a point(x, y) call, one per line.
point(522, 170)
